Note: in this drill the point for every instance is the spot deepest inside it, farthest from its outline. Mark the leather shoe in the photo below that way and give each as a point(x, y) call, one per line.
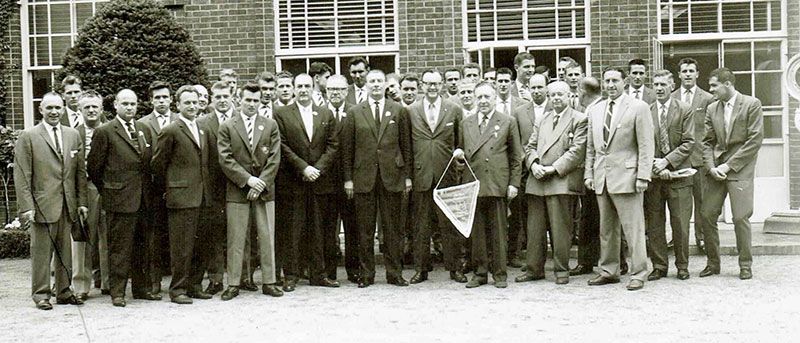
point(249, 285)
point(419, 277)
point(352, 278)
point(656, 274)
point(156, 288)
point(635, 285)
point(365, 282)
point(44, 304)
point(147, 296)
point(708, 271)
point(528, 277)
point(515, 263)
point(397, 281)
point(230, 293)
point(326, 282)
point(271, 290)
point(214, 288)
point(182, 300)
point(683, 274)
point(623, 269)
point(199, 295)
point(477, 281)
point(70, 300)
point(501, 283)
point(105, 292)
point(602, 280)
point(458, 276)
point(562, 280)
point(82, 296)
point(118, 302)
point(745, 274)
point(289, 285)
point(581, 269)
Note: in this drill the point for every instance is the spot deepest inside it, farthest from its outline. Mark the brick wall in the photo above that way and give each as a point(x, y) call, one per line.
point(622, 30)
point(430, 34)
point(793, 13)
point(13, 77)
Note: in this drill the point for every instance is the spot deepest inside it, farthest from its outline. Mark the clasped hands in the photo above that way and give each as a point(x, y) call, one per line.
point(256, 187)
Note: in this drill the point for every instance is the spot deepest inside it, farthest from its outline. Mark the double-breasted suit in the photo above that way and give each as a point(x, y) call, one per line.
point(676, 193)
point(433, 147)
point(240, 160)
point(559, 144)
point(736, 145)
point(181, 164)
point(119, 165)
point(377, 159)
point(495, 155)
point(615, 160)
point(50, 179)
point(306, 200)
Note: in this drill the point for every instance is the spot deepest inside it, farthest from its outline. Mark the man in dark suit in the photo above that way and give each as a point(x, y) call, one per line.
point(213, 243)
point(358, 67)
point(619, 160)
point(119, 165)
point(376, 149)
point(71, 90)
point(409, 86)
point(341, 209)
point(161, 98)
point(249, 153)
point(674, 139)
point(554, 155)
point(525, 66)
point(181, 165)
point(285, 89)
point(507, 100)
point(527, 116)
point(266, 82)
point(734, 131)
point(637, 70)
point(698, 100)
point(451, 78)
point(308, 150)
point(435, 124)
point(492, 147)
point(50, 180)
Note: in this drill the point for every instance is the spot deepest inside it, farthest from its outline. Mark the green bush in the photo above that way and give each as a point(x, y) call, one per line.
point(129, 44)
point(15, 244)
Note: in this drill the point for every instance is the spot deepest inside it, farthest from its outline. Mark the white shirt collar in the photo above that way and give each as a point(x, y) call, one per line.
point(304, 109)
point(246, 118)
point(51, 127)
point(559, 114)
point(227, 113)
point(187, 121)
point(124, 123)
point(665, 105)
point(380, 102)
point(632, 90)
point(543, 105)
point(693, 90)
point(334, 108)
point(480, 116)
point(168, 115)
point(732, 100)
point(437, 104)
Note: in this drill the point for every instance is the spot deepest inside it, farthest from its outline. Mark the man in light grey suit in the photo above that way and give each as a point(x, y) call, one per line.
point(50, 180)
point(734, 131)
point(619, 159)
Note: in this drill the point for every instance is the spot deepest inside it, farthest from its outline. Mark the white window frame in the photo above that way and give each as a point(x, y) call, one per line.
point(662, 4)
point(341, 60)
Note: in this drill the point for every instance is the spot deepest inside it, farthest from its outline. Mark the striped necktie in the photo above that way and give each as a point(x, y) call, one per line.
point(607, 124)
point(663, 135)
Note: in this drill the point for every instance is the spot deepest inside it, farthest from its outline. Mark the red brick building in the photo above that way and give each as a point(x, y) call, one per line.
point(755, 38)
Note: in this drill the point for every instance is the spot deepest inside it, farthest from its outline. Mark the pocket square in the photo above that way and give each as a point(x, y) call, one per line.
point(391, 122)
point(72, 153)
point(449, 124)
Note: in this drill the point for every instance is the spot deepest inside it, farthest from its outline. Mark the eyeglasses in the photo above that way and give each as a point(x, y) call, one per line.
point(336, 89)
point(432, 84)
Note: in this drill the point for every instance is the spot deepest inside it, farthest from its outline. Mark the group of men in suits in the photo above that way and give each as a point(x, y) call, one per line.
point(181, 188)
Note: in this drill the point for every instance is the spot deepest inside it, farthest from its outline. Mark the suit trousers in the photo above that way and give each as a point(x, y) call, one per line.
point(98, 236)
point(517, 225)
point(159, 259)
point(51, 241)
point(553, 212)
point(452, 240)
point(589, 238)
point(252, 256)
point(239, 218)
point(330, 232)
point(489, 238)
point(658, 196)
point(741, 195)
point(188, 232)
point(305, 214)
point(346, 213)
point(623, 211)
point(367, 207)
point(82, 251)
point(213, 243)
point(130, 248)
point(698, 189)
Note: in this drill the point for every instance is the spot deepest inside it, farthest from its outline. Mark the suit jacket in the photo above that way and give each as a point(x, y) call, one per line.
point(337, 167)
point(526, 118)
point(297, 152)
point(351, 95)
point(120, 166)
point(648, 94)
point(516, 93)
point(628, 156)
point(433, 149)
point(44, 181)
point(738, 146)
point(210, 124)
point(151, 122)
point(564, 148)
point(700, 102)
point(367, 149)
point(495, 155)
point(514, 103)
point(239, 161)
point(680, 133)
point(182, 164)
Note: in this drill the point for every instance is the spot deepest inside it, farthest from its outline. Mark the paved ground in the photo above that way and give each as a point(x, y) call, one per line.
point(716, 309)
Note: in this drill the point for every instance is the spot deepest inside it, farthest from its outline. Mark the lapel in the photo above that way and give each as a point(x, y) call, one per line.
point(258, 128)
point(551, 135)
point(737, 110)
point(387, 108)
point(657, 121)
point(621, 109)
point(488, 131)
point(718, 122)
point(444, 110)
point(120, 129)
point(153, 121)
point(46, 136)
point(188, 133)
point(238, 124)
point(295, 108)
point(316, 118)
point(471, 127)
point(367, 114)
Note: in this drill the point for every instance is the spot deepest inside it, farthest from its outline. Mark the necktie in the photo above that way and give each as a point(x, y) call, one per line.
point(358, 95)
point(555, 121)
point(607, 125)
point(75, 121)
point(377, 114)
point(58, 142)
point(131, 130)
point(687, 96)
point(573, 100)
point(224, 117)
point(503, 106)
point(484, 122)
point(728, 109)
point(431, 117)
point(248, 123)
point(162, 120)
point(664, 137)
point(636, 92)
point(336, 110)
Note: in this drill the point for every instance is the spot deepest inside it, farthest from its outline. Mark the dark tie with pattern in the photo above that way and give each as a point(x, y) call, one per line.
point(483, 123)
point(663, 127)
point(607, 124)
point(58, 142)
point(377, 114)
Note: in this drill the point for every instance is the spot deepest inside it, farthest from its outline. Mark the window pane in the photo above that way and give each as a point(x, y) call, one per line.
point(541, 3)
point(374, 30)
point(564, 24)
point(760, 15)
point(744, 83)
point(704, 18)
point(59, 18)
point(665, 19)
point(83, 11)
point(485, 4)
point(487, 26)
point(351, 31)
point(680, 16)
point(509, 4)
point(768, 88)
point(42, 82)
point(294, 66)
point(42, 51)
point(737, 56)
point(578, 55)
point(60, 46)
point(384, 63)
point(39, 20)
point(776, 14)
point(772, 127)
point(509, 25)
point(736, 17)
point(472, 27)
point(580, 24)
point(706, 54)
point(546, 58)
point(541, 24)
point(770, 160)
point(504, 57)
point(768, 55)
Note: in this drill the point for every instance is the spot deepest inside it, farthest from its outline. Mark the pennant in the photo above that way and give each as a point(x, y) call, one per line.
point(458, 203)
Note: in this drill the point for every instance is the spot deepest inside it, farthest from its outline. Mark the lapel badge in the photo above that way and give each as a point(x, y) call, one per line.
point(387, 113)
point(496, 128)
point(570, 135)
point(264, 149)
point(201, 132)
point(141, 133)
point(261, 127)
point(315, 113)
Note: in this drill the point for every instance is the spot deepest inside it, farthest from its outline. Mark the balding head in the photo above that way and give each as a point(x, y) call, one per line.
point(125, 103)
point(537, 85)
point(558, 93)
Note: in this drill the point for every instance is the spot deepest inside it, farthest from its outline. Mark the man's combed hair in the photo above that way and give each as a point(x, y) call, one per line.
point(636, 61)
point(615, 68)
point(251, 87)
point(156, 85)
point(71, 80)
point(266, 77)
point(186, 89)
point(723, 75)
point(413, 77)
point(357, 60)
point(523, 56)
point(687, 60)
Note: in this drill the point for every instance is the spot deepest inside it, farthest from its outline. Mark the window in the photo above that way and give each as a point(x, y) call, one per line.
point(508, 20)
point(51, 29)
point(720, 16)
point(296, 65)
